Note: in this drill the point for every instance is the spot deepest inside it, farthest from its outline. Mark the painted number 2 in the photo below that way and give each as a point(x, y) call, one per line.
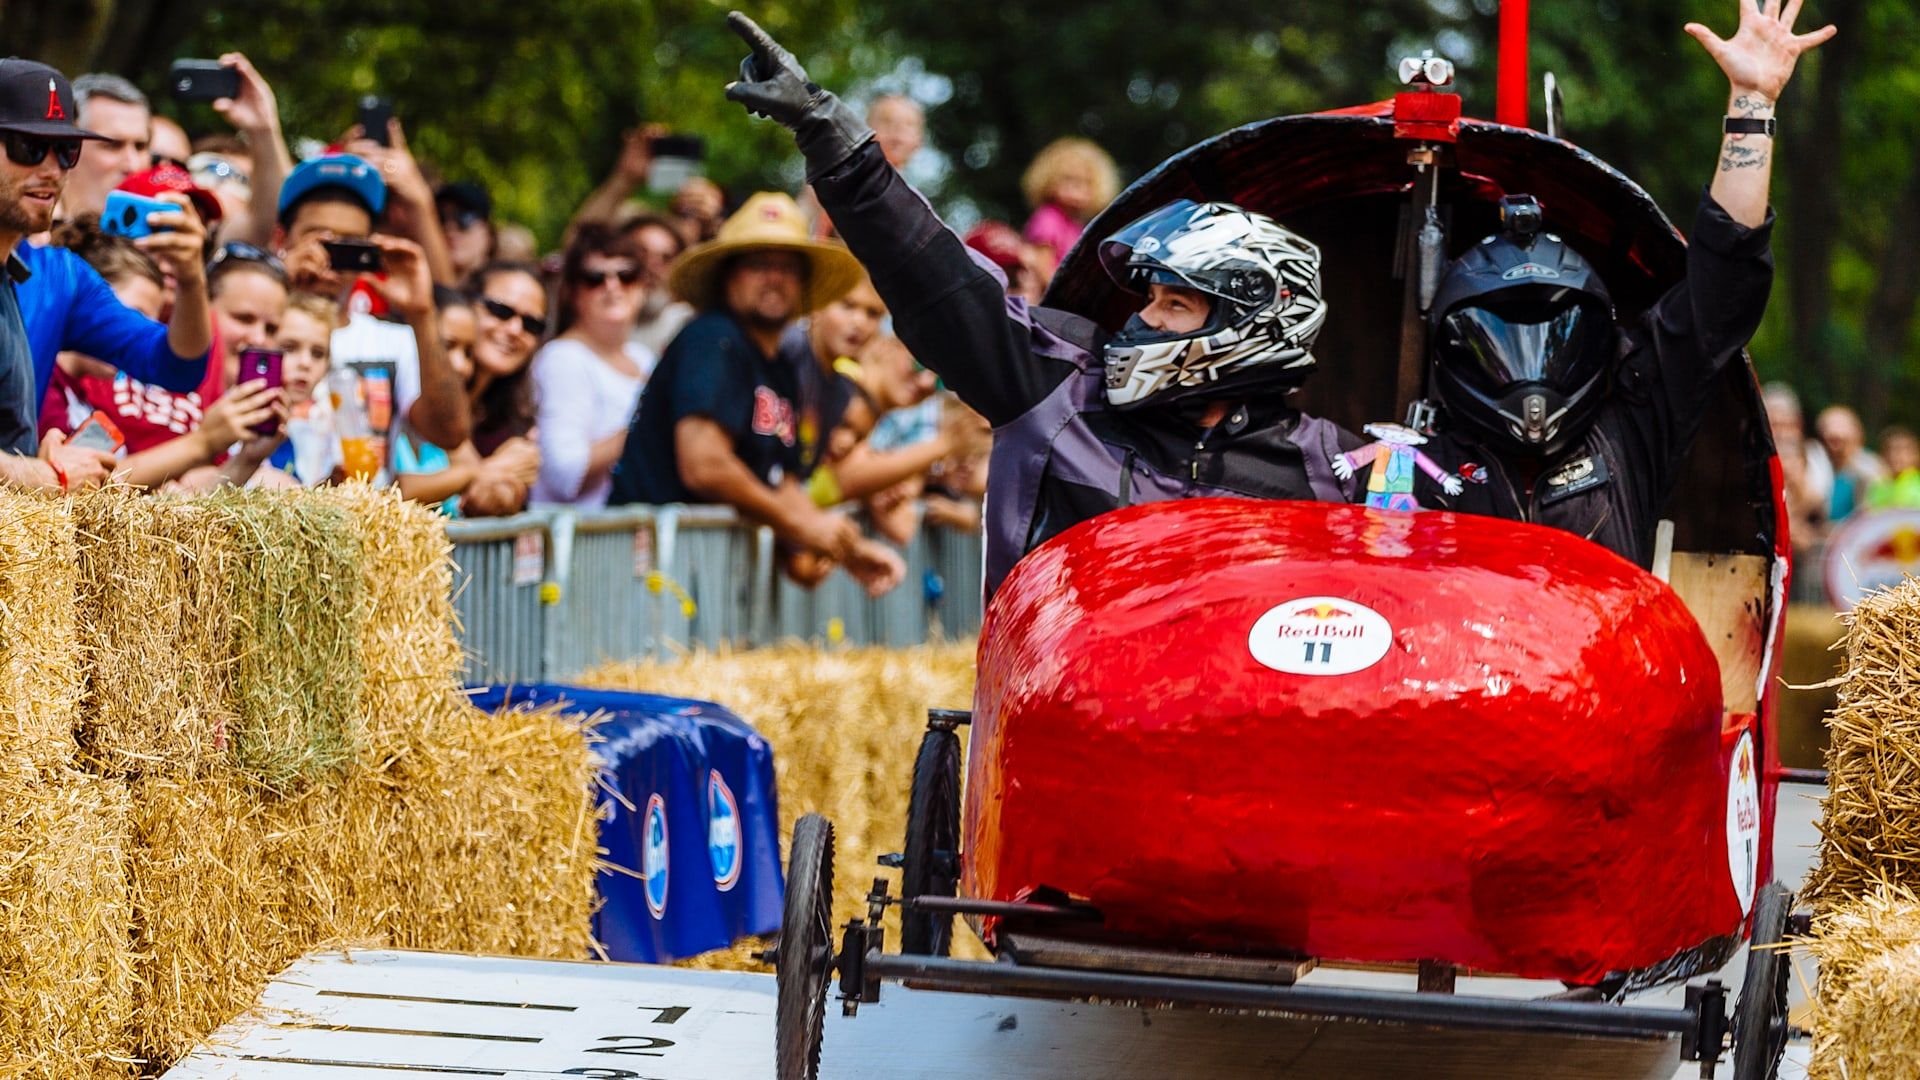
point(1326, 652)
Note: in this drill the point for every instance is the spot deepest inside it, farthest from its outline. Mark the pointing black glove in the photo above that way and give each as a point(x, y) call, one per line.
point(774, 85)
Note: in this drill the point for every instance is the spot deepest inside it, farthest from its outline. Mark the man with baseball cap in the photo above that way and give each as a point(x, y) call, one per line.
point(51, 300)
point(717, 423)
point(341, 197)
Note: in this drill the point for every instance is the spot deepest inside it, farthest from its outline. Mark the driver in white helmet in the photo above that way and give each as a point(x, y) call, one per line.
point(1187, 400)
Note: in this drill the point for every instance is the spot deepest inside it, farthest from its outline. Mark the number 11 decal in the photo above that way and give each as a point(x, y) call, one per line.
point(1326, 652)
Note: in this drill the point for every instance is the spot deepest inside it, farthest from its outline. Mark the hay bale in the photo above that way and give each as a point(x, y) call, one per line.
point(1870, 819)
point(1812, 654)
point(413, 657)
point(228, 625)
point(299, 600)
point(40, 654)
point(66, 965)
point(483, 841)
point(154, 625)
point(1866, 1015)
point(845, 725)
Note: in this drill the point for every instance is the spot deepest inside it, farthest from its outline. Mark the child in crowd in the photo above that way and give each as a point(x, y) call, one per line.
point(311, 454)
point(1067, 184)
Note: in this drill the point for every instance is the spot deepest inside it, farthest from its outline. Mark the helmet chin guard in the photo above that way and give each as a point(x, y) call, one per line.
point(1261, 280)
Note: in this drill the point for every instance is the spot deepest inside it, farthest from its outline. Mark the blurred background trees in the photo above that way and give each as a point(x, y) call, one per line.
point(532, 99)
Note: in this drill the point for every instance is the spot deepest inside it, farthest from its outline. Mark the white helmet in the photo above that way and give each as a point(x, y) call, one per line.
point(1264, 281)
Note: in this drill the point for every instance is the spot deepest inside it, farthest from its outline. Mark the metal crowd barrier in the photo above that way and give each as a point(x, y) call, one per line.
point(548, 595)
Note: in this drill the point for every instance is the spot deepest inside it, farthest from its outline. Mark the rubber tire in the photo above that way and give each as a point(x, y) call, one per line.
point(1760, 1016)
point(804, 962)
point(933, 826)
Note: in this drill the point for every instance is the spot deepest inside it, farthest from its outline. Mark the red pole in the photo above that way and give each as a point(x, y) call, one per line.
point(1511, 108)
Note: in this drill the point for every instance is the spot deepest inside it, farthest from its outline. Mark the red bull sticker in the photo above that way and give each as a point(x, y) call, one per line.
point(1743, 820)
point(1320, 635)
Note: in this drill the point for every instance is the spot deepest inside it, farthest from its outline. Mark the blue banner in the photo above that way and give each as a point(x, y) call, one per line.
point(694, 830)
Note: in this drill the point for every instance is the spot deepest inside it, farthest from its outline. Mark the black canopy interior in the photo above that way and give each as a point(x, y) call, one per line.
point(1342, 180)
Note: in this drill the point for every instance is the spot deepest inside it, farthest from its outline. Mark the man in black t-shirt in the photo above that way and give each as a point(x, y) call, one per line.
point(718, 422)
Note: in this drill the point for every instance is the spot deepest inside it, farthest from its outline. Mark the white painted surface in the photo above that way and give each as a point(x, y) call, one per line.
point(521, 1020)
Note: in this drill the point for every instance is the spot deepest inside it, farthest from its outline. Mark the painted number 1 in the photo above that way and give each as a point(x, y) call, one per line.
point(1326, 652)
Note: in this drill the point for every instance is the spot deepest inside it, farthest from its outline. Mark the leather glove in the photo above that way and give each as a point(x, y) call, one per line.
point(774, 85)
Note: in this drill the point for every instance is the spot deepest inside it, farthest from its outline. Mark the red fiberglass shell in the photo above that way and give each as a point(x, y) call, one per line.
point(1517, 763)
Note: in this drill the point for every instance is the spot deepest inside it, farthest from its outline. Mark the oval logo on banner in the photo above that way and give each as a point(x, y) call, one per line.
point(1743, 820)
point(653, 855)
point(723, 832)
point(1320, 635)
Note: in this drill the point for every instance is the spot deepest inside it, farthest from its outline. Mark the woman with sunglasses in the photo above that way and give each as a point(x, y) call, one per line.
point(510, 318)
point(587, 380)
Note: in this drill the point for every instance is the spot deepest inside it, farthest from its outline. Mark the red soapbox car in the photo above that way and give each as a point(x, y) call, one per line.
point(1217, 742)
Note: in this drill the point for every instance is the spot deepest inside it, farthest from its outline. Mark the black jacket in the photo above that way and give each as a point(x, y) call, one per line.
point(1611, 486)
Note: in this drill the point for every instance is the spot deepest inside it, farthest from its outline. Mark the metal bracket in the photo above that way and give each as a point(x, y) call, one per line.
point(1707, 1001)
point(948, 719)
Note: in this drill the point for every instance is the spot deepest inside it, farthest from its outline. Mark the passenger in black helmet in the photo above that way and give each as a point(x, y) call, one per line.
point(1560, 415)
point(1188, 399)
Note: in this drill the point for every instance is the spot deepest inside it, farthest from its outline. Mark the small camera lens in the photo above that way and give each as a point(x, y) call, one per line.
point(127, 216)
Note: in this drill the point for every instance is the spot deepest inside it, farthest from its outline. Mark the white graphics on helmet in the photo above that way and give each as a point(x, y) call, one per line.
point(1263, 281)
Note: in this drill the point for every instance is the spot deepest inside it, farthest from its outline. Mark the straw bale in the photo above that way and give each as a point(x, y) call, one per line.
point(1870, 819)
point(152, 586)
point(298, 594)
point(40, 669)
point(845, 725)
point(66, 966)
point(413, 658)
point(1867, 1013)
point(228, 624)
point(482, 841)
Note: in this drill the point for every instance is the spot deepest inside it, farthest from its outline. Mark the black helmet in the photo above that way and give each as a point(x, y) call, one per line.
point(1523, 338)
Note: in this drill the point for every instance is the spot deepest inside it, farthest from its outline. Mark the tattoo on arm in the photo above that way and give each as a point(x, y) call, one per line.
point(1751, 104)
point(1735, 156)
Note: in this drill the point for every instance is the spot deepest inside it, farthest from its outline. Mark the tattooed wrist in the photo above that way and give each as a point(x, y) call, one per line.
point(1751, 103)
point(1735, 157)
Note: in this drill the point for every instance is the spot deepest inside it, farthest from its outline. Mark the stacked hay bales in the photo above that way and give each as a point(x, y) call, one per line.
point(67, 974)
point(280, 759)
point(67, 969)
point(845, 725)
point(1866, 930)
point(1868, 1021)
point(41, 668)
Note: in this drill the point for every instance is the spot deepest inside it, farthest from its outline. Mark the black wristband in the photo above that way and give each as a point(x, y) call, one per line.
point(1749, 125)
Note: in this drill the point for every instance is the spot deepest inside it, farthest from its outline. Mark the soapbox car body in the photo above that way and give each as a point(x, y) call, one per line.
point(1218, 742)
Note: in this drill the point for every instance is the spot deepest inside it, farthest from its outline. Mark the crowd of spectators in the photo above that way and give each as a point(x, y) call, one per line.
point(1829, 471)
point(357, 314)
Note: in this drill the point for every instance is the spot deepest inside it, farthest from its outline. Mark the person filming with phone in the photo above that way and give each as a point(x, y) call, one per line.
point(329, 207)
point(51, 300)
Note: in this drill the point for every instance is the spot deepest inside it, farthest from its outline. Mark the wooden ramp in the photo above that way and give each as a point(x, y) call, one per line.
point(393, 1015)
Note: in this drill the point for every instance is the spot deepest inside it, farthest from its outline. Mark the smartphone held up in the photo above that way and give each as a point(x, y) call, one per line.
point(203, 80)
point(263, 365)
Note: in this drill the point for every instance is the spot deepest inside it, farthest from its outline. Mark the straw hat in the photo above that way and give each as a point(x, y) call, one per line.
point(769, 221)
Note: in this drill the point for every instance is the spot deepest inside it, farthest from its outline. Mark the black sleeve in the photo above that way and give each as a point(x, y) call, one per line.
point(1675, 354)
point(949, 306)
point(712, 379)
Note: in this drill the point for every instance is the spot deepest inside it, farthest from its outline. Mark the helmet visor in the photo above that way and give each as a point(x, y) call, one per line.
point(1563, 342)
point(1145, 236)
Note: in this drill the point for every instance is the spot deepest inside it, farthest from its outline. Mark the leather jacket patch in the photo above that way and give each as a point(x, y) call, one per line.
point(1576, 476)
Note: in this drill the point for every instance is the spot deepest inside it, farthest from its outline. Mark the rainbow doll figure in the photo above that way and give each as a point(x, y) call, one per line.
point(1393, 456)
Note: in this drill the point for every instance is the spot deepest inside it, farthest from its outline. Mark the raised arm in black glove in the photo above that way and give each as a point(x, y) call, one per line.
point(774, 85)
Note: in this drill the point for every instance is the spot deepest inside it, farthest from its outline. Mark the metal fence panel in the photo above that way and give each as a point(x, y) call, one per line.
point(610, 612)
point(503, 571)
point(959, 559)
point(554, 594)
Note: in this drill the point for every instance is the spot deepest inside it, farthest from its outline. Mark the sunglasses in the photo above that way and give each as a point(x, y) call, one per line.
point(247, 253)
point(533, 324)
point(593, 279)
point(33, 149)
point(162, 159)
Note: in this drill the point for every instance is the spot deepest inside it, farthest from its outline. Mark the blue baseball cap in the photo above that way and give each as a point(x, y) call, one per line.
point(347, 172)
